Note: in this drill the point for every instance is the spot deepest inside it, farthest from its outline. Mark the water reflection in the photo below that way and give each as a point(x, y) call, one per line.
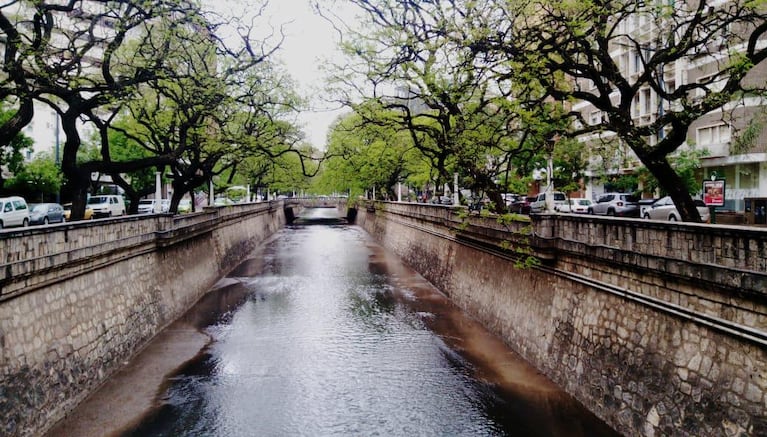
point(336, 338)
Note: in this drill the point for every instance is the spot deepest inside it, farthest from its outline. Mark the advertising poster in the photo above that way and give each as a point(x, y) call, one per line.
point(713, 193)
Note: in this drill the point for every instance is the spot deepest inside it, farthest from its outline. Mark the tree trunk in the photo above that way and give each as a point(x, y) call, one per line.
point(674, 186)
point(79, 179)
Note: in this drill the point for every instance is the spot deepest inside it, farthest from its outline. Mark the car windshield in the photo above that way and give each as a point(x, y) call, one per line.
point(145, 202)
point(559, 196)
point(39, 208)
point(95, 200)
point(584, 202)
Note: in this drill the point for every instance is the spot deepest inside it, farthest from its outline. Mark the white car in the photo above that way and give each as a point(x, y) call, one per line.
point(146, 206)
point(664, 209)
point(575, 205)
point(107, 205)
point(539, 204)
point(13, 212)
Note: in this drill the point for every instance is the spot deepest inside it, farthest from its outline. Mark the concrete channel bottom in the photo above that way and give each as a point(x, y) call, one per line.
point(126, 397)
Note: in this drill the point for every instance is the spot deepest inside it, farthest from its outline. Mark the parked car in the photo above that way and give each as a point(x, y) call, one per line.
point(13, 212)
point(575, 205)
point(44, 213)
point(521, 205)
point(184, 206)
point(616, 204)
point(510, 198)
point(539, 204)
point(147, 206)
point(442, 200)
point(222, 201)
point(664, 209)
point(88, 215)
point(107, 205)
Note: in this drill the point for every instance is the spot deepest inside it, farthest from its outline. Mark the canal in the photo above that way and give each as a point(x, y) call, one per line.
point(332, 336)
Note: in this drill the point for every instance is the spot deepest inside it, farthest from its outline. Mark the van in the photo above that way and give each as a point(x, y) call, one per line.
point(107, 205)
point(539, 204)
point(147, 206)
point(13, 212)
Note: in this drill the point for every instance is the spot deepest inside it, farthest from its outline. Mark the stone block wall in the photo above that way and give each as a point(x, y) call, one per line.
point(77, 300)
point(651, 325)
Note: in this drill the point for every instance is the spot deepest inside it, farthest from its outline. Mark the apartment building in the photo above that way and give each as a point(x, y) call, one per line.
point(734, 137)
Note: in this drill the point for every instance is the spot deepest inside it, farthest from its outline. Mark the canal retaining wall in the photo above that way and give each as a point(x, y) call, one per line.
point(78, 300)
point(658, 328)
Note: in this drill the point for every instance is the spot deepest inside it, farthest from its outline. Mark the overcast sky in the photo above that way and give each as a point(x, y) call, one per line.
point(310, 41)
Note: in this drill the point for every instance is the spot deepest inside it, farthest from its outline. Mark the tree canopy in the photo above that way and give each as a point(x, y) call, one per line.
point(196, 92)
point(497, 78)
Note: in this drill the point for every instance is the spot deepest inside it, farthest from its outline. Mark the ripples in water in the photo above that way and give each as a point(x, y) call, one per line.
point(335, 338)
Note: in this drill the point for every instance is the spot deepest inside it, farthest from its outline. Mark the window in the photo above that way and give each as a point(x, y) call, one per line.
point(717, 134)
point(748, 176)
point(595, 117)
point(714, 82)
point(646, 101)
point(636, 66)
point(605, 198)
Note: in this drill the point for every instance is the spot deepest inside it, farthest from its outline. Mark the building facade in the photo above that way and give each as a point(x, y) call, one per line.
point(733, 139)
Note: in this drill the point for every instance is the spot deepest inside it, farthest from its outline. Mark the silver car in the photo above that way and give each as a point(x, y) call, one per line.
point(664, 209)
point(616, 204)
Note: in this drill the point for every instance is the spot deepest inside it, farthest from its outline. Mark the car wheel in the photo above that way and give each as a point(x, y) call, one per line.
point(646, 216)
point(611, 212)
point(1, 225)
point(591, 211)
point(672, 218)
point(109, 214)
point(25, 223)
point(45, 220)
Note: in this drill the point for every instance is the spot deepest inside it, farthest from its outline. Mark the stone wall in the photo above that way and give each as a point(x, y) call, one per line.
point(659, 328)
point(77, 300)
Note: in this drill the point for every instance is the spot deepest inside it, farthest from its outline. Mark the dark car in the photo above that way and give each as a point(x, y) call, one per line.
point(44, 213)
point(522, 205)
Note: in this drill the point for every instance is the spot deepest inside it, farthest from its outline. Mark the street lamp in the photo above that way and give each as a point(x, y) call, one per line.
point(551, 142)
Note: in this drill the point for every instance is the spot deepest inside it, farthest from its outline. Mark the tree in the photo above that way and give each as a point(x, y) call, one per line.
point(70, 56)
point(364, 155)
point(40, 177)
point(569, 47)
point(686, 163)
point(12, 149)
point(460, 113)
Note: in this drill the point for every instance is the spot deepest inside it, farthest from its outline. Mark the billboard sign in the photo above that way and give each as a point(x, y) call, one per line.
point(713, 192)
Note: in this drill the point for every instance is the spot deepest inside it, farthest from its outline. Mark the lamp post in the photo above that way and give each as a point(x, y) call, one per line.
point(551, 142)
point(157, 192)
point(455, 189)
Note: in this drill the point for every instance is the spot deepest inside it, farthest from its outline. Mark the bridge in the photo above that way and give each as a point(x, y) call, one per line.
point(659, 328)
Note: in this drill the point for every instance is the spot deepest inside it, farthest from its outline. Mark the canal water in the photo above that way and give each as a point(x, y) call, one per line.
point(331, 336)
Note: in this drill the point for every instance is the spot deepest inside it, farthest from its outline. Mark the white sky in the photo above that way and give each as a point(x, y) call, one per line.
point(310, 41)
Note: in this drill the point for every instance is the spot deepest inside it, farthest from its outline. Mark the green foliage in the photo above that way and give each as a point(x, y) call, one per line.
point(747, 139)
point(38, 179)
point(12, 155)
point(365, 155)
point(686, 163)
